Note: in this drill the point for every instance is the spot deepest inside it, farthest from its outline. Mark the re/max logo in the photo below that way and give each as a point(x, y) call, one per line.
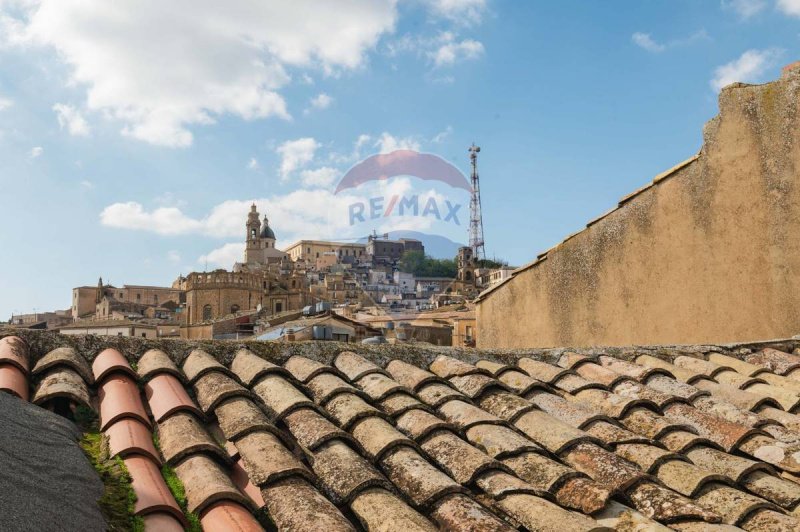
point(405, 206)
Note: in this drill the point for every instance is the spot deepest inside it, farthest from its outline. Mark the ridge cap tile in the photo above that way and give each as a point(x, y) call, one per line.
point(110, 361)
point(65, 356)
point(155, 362)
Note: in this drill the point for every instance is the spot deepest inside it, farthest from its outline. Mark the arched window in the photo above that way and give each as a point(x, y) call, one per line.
point(253, 233)
point(234, 309)
point(206, 312)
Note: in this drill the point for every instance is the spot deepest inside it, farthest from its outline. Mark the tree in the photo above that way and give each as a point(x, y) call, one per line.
point(421, 265)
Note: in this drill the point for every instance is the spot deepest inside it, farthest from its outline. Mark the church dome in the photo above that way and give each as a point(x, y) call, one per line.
point(266, 230)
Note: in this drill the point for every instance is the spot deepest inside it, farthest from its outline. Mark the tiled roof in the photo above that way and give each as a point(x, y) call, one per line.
point(589, 442)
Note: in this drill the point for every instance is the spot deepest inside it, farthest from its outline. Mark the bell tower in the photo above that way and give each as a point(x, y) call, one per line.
point(251, 251)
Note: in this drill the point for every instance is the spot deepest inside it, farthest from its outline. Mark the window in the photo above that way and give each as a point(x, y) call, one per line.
point(155, 299)
point(144, 335)
point(234, 309)
point(206, 312)
point(138, 297)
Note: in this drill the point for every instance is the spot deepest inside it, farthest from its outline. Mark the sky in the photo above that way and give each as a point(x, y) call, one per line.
point(135, 135)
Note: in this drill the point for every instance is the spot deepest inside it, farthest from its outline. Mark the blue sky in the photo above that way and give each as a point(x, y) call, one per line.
point(133, 137)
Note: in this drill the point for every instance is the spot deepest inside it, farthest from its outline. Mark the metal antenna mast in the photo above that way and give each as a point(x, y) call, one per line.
point(475, 218)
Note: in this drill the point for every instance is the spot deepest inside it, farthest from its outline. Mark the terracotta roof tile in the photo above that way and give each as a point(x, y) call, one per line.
point(458, 512)
point(536, 513)
point(378, 386)
point(570, 360)
point(521, 383)
point(267, 460)
point(745, 368)
point(734, 467)
point(293, 504)
point(597, 373)
point(129, 436)
point(347, 409)
point(552, 434)
point(166, 395)
point(249, 368)
point(541, 370)
point(64, 356)
point(634, 390)
point(448, 367)
point(14, 351)
point(681, 441)
point(380, 510)
point(506, 406)
point(611, 404)
point(620, 517)
point(729, 412)
point(312, 429)
point(573, 413)
point(687, 479)
point(475, 385)
point(13, 381)
point(674, 387)
point(228, 515)
point(206, 483)
point(465, 415)
point(791, 421)
point(629, 369)
point(280, 395)
point(541, 472)
point(743, 399)
point(771, 451)
point(377, 437)
point(699, 366)
point(667, 506)
point(500, 442)
point(418, 424)
point(573, 383)
point(198, 363)
point(774, 360)
point(214, 387)
point(242, 482)
point(400, 403)
point(181, 435)
point(648, 457)
point(355, 367)
point(459, 459)
point(305, 369)
point(410, 376)
point(782, 492)
point(768, 520)
point(64, 382)
point(326, 386)
point(498, 484)
point(152, 493)
point(416, 478)
point(155, 362)
point(161, 521)
point(787, 399)
point(582, 494)
point(436, 394)
point(344, 472)
point(682, 374)
point(726, 434)
point(733, 505)
point(239, 416)
point(613, 435)
point(495, 368)
point(604, 467)
point(111, 361)
point(653, 426)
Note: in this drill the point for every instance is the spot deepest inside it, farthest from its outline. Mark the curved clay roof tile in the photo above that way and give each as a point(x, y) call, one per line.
point(13, 381)
point(62, 382)
point(14, 350)
point(111, 361)
point(155, 362)
point(65, 356)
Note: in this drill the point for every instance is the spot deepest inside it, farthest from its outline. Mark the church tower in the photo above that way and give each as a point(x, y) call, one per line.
point(252, 249)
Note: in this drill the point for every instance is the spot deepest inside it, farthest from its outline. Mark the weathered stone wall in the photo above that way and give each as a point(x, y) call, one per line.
point(708, 253)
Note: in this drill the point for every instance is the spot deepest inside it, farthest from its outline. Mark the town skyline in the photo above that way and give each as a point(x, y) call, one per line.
point(113, 191)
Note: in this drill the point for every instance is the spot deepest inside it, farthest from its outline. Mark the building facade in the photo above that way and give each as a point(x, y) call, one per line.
point(311, 250)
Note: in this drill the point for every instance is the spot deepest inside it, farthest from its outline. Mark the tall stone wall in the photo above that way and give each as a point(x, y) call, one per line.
point(707, 253)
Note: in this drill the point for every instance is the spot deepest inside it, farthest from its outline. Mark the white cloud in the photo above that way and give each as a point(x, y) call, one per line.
point(789, 7)
point(388, 143)
point(321, 177)
point(252, 164)
point(320, 101)
point(87, 184)
point(163, 67)
point(5, 103)
point(646, 42)
point(442, 135)
point(173, 256)
point(461, 11)
point(296, 154)
point(163, 220)
point(452, 50)
point(72, 119)
point(224, 256)
point(750, 67)
point(36, 152)
point(745, 8)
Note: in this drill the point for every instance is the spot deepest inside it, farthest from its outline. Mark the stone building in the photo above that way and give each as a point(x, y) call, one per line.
point(310, 250)
point(260, 250)
point(85, 299)
point(708, 252)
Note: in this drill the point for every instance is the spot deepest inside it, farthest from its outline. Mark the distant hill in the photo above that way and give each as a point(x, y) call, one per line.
point(438, 247)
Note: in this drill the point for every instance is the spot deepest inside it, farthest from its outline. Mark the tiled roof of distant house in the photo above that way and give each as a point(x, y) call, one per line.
point(689, 439)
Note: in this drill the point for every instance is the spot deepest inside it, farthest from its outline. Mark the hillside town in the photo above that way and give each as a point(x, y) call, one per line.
point(312, 290)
